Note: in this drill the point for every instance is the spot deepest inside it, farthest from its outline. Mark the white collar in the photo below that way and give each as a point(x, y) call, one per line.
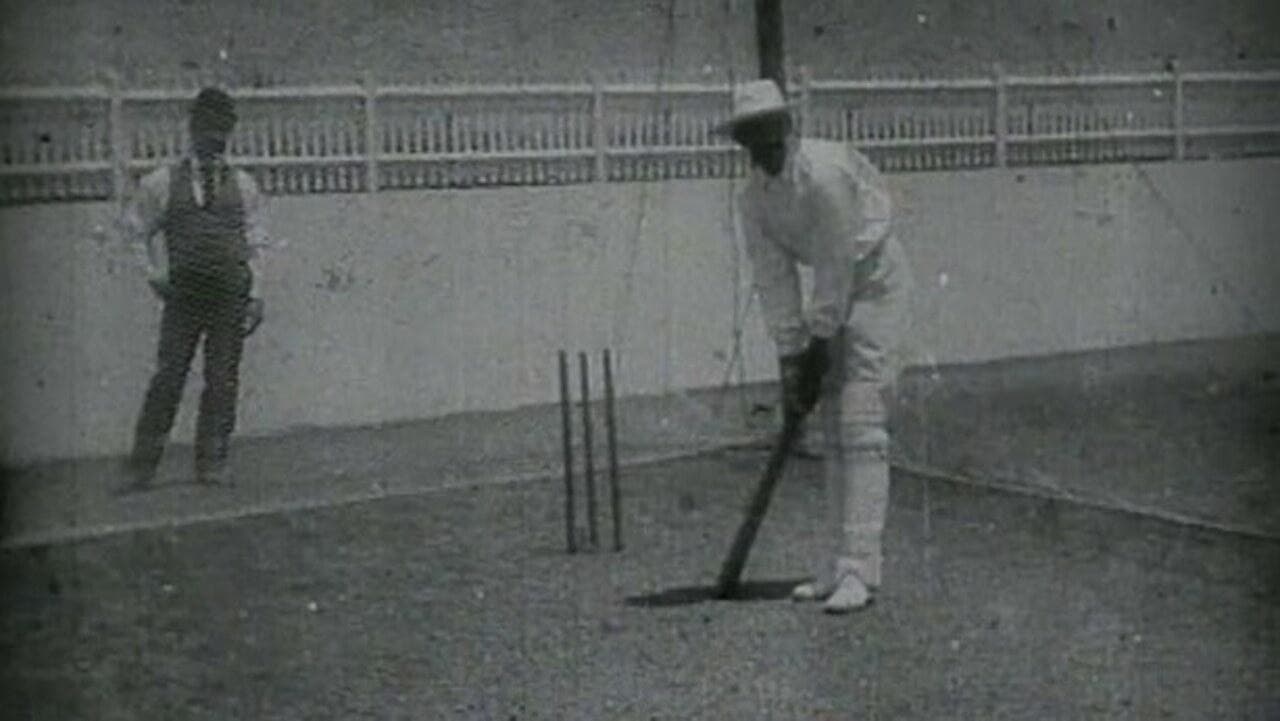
point(197, 188)
point(219, 162)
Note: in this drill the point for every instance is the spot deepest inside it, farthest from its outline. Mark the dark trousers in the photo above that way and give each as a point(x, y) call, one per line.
point(215, 311)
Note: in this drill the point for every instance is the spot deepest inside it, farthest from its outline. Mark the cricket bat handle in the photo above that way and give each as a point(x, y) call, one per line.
point(731, 570)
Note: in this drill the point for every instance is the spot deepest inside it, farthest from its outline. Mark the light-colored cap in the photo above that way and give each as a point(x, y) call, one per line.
point(756, 99)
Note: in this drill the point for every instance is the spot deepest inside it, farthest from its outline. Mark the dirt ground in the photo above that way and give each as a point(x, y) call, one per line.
point(462, 603)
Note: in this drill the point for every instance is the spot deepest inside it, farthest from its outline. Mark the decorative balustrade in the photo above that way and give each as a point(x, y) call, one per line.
point(88, 143)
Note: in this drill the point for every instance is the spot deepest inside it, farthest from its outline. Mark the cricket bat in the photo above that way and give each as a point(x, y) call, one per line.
point(731, 569)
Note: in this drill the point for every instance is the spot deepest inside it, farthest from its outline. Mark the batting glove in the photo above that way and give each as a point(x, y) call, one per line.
point(802, 375)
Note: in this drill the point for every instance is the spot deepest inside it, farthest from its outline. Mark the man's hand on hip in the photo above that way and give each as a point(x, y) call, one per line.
point(254, 312)
point(160, 286)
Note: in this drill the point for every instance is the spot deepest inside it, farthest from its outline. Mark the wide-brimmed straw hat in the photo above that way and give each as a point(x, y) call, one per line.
point(752, 101)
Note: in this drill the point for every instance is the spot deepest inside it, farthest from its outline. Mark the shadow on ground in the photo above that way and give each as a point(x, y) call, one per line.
point(692, 595)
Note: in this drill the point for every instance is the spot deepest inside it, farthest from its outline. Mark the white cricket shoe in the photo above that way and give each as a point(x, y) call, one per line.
point(850, 594)
point(811, 591)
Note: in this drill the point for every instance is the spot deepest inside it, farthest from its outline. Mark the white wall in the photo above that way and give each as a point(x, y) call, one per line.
point(408, 305)
point(1058, 260)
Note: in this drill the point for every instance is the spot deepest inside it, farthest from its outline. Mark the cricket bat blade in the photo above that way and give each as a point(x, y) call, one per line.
point(731, 569)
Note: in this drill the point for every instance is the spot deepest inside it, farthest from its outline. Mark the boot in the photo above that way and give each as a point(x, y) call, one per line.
point(141, 466)
point(211, 464)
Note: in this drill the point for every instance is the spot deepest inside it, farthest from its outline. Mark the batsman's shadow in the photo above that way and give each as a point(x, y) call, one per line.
point(748, 591)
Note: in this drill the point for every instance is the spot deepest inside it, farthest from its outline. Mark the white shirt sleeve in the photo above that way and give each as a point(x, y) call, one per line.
point(874, 201)
point(836, 224)
point(852, 215)
point(139, 224)
point(777, 282)
point(260, 244)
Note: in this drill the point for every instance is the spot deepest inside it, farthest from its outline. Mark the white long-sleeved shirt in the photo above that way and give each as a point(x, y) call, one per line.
point(144, 214)
point(827, 209)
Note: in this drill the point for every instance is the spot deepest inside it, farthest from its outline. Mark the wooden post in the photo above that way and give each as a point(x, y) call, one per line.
point(117, 138)
point(599, 139)
point(769, 42)
point(588, 460)
point(611, 428)
point(371, 135)
point(566, 421)
point(1179, 116)
point(806, 102)
point(1001, 117)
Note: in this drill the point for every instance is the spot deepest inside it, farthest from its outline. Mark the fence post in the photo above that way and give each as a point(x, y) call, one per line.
point(599, 140)
point(116, 137)
point(371, 146)
point(1179, 127)
point(806, 100)
point(1001, 117)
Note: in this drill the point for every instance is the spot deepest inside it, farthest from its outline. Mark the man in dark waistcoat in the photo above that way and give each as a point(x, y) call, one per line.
point(207, 272)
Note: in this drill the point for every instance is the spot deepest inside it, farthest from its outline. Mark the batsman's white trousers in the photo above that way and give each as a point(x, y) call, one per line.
point(853, 413)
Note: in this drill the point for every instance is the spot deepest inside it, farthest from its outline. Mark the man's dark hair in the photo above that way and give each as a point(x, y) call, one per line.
point(213, 109)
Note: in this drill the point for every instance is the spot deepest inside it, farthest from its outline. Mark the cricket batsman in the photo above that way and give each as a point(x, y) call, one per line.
point(824, 205)
point(207, 272)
